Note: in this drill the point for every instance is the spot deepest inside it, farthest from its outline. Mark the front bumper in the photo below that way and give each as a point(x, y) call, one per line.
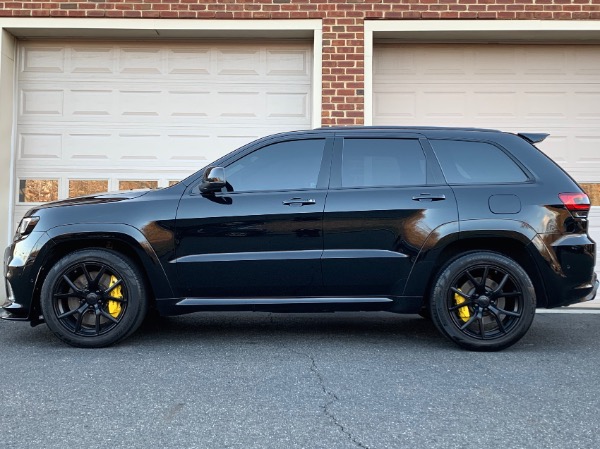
point(22, 263)
point(9, 299)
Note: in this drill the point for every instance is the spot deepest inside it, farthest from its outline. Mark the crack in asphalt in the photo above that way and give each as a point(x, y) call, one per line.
point(332, 399)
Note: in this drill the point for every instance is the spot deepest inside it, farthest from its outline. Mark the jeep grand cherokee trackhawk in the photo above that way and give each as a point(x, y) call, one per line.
point(474, 228)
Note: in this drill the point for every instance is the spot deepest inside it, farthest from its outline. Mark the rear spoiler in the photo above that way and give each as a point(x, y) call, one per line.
point(533, 137)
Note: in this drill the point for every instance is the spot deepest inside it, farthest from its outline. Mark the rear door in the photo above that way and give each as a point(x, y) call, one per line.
point(386, 197)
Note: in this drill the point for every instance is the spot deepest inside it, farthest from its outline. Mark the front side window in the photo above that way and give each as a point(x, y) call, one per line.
point(382, 162)
point(475, 163)
point(291, 165)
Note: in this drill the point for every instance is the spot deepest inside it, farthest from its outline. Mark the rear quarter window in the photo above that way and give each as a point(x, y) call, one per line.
point(466, 162)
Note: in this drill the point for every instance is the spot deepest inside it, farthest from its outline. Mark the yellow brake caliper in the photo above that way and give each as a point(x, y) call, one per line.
point(463, 312)
point(114, 307)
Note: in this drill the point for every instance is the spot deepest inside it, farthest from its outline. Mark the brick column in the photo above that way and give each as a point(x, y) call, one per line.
point(343, 71)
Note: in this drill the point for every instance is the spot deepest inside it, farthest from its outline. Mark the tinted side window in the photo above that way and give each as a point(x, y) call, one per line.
point(281, 166)
point(475, 163)
point(382, 162)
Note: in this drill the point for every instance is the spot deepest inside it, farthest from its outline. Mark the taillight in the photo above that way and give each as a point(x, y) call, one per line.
point(576, 203)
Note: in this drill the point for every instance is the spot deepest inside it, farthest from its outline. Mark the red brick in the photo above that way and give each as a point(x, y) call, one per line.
point(96, 13)
point(507, 15)
point(150, 14)
point(581, 15)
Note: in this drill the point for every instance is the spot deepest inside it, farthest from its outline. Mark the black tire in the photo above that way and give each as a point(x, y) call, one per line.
point(93, 298)
point(483, 301)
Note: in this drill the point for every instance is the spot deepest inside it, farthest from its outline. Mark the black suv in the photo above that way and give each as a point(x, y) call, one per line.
point(473, 228)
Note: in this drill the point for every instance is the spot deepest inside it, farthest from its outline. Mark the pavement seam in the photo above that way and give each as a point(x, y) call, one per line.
point(332, 399)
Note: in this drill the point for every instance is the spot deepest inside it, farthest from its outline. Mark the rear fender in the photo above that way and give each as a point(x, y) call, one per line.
point(436, 250)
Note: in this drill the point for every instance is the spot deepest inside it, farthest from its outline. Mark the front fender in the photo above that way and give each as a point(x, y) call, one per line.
point(123, 233)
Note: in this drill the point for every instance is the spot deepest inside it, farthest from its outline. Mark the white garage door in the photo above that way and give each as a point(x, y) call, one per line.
point(542, 88)
point(97, 116)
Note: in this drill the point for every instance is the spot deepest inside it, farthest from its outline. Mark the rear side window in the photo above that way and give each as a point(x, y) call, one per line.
point(382, 162)
point(475, 163)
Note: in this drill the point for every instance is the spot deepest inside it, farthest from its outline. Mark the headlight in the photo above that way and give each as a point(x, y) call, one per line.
point(26, 226)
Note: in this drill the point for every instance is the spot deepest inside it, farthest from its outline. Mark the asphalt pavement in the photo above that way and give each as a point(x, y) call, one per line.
point(343, 380)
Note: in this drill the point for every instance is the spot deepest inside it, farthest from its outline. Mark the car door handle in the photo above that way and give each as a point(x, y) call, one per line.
point(428, 197)
point(299, 202)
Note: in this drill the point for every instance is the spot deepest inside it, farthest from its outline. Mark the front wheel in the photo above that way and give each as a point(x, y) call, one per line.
point(93, 298)
point(483, 301)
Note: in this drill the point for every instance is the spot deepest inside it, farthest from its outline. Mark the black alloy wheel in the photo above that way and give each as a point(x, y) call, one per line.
point(93, 298)
point(483, 301)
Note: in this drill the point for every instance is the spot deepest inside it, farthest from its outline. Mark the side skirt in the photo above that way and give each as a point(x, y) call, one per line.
point(178, 306)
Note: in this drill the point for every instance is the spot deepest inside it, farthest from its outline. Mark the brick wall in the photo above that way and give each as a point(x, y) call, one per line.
point(343, 45)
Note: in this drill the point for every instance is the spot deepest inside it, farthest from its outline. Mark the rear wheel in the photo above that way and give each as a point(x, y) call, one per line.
point(483, 301)
point(93, 298)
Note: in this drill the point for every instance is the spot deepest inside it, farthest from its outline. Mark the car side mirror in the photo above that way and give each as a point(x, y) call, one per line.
point(213, 179)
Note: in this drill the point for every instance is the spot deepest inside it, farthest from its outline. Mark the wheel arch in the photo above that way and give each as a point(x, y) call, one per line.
point(123, 239)
point(507, 237)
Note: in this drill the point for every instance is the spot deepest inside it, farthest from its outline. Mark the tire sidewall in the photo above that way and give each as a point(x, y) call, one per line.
point(441, 316)
point(136, 301)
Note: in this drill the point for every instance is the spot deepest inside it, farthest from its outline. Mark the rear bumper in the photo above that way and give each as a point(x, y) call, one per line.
point(566, 265)
point(592, 294)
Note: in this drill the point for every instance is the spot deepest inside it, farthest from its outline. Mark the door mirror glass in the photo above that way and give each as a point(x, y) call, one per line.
point(213, 179)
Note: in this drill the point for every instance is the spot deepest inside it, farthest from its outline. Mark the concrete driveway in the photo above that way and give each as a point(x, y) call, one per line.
point(344, 380)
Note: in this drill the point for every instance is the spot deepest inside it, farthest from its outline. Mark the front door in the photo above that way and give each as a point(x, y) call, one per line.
point(262, 235)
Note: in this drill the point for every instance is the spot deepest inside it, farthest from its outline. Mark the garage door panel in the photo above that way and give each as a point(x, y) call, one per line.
point(266, 62)
point(37, 145)
point(495, 104)
point(294, 63)
point(41, 104)
point(480, 104)
point(486, 63)
point(42, 59)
